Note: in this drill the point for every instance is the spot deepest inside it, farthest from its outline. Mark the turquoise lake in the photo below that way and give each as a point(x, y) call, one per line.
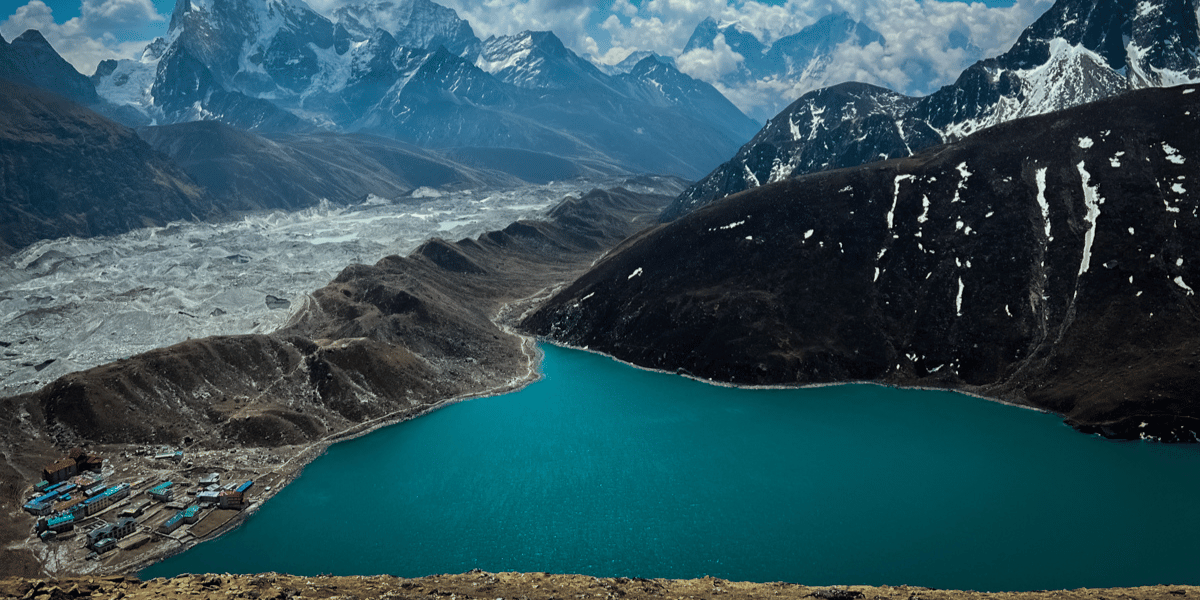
point(607, 470)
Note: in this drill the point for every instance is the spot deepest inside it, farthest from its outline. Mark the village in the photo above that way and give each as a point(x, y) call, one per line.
point(102, 515)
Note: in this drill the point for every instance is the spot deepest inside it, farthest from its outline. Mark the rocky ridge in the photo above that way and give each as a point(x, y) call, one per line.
point(65, 170)
point(245, 171)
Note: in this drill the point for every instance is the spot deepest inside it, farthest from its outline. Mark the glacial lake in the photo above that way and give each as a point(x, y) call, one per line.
point(607, 470)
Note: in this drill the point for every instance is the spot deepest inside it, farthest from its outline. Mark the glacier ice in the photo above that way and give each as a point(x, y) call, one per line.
point(70, 304)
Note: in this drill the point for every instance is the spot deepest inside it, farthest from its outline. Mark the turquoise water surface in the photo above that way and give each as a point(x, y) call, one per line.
point(608, 470)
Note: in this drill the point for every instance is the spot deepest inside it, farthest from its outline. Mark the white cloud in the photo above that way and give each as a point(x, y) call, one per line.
point(916, 58)
point(710, 65)
point(109, 16)
point(568, 19)
point(105, 29)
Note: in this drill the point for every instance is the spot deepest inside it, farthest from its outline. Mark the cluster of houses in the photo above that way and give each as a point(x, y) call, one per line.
point(71, 492)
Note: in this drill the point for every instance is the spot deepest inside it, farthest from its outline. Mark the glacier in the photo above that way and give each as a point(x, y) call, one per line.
point(70, 303)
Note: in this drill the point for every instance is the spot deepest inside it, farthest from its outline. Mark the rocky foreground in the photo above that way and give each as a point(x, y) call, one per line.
point(525, 586)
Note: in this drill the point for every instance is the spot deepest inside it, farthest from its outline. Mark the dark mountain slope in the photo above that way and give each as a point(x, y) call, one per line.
point(1049, 261)
point(30, 60)
point(821, 130)
point(65, 170)
point(246, 171)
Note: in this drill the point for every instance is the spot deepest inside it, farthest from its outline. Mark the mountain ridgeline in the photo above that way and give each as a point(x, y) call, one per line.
point(1050, 262)
point(66, 170)
point(1078, 51)
point(412, 70)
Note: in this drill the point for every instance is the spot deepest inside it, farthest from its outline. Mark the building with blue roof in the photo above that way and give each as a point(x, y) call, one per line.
point(61, 522)
point(105, 499)
point(187, 515)
point(163, 492)
point(44, 504)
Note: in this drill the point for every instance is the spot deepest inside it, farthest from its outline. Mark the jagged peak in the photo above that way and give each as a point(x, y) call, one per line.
point(1100, 26)
point(650, 64)
point(500, 52)
point(154, 50)
point(545, 40)
point(33, 37)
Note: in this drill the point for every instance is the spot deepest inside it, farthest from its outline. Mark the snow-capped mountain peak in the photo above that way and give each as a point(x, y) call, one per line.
point(412, 70)
point(535, 60)
point(414, 23)
point(1079, 51)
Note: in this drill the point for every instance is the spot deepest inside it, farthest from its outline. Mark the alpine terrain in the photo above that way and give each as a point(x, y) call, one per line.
point(412, 70)
point(1049, 262)
point(66, 170)
point(1079, 51)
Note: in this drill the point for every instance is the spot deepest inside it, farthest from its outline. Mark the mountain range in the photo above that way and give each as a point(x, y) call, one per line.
point(1078, 51)
point(413, 71)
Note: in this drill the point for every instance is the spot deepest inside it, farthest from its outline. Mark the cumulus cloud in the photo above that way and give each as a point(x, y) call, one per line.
point(568, 19)
point(115, 16)
point(710, 65)
point(104, 29)
point(918, 56)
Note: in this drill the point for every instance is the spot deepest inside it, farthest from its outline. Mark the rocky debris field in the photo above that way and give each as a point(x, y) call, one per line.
point(522, 586)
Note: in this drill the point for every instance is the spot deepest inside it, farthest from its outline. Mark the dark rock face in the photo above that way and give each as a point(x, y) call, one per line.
point(1049, 262)
point(381, 341)
point(65, 170)
point(1079, 51)
point(30, 60)
point(185, 89)
point(820, 131)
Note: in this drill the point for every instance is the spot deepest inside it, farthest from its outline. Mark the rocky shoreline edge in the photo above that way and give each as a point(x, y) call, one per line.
point(291, 470)
point(523, 586)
